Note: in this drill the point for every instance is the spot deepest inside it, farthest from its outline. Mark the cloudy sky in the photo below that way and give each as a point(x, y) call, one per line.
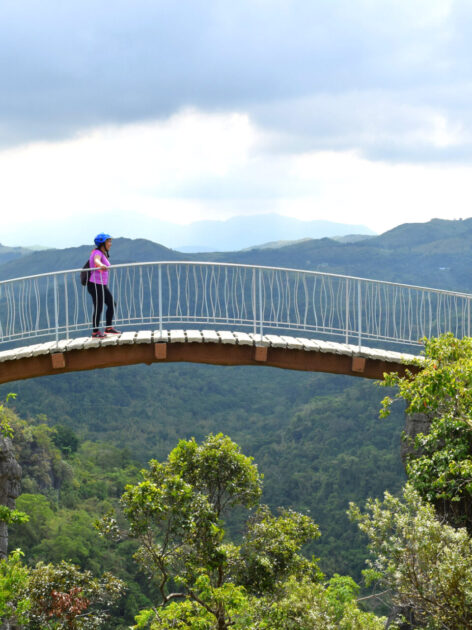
point(355, 111)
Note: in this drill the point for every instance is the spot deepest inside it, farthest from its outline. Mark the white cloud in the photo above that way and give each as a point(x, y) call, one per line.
point(128, 167)
point(379, 194)
point(200, 166)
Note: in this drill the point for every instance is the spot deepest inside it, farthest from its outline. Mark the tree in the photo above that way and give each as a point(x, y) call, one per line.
point(65, 439)
point(62, 596)
point(46, 596)
point(307, 605)
point(14, 600)
point(440, 465)
point(420, 544)
point(425, 565)
point(54, 596)
point(205, 581)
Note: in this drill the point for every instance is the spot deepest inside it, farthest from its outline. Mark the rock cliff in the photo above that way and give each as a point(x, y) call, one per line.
point(10, 478)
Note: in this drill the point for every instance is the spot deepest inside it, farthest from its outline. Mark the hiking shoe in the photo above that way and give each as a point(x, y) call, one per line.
point(109, 330)
point(98, 335)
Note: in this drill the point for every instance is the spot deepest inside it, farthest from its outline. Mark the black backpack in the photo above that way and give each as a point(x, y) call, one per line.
point(85, 273)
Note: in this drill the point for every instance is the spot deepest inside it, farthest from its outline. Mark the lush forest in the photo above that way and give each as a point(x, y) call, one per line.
point(190, 543)
point(317, 439)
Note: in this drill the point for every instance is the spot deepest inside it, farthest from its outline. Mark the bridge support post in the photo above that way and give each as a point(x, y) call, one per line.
point(160, 351)
point(358, 364)
point(58, 360)
point(260, 354)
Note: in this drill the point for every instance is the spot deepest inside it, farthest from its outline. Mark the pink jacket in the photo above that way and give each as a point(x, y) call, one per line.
point(97, 275)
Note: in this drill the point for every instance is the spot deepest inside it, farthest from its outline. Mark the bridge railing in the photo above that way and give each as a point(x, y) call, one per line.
point(239, 297)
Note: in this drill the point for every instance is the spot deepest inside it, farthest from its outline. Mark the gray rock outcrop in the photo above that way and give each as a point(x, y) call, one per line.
point(10, 480)
point(415, 423)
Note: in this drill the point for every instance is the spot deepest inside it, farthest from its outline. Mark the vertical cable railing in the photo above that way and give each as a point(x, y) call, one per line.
point(238, 297)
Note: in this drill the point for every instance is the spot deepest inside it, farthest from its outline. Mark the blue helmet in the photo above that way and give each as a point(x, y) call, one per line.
point(101, 238)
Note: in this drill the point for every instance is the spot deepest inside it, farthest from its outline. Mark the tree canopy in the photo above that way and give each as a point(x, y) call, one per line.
point(440, 463)
point(425, 564)
point(178, 513)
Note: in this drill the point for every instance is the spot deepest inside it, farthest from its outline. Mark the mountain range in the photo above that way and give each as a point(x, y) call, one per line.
point(236, 233)
point(247, 231)
point(437, 254)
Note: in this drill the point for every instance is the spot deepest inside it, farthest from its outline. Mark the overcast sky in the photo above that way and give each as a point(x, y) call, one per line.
point(355, 111)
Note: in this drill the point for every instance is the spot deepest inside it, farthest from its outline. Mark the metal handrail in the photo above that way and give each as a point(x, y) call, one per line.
point(237, 296)
point(245, 266)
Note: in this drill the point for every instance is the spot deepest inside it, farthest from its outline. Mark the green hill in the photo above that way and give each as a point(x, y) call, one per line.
point(436, 254)
point(12, 253)
point(124, 250)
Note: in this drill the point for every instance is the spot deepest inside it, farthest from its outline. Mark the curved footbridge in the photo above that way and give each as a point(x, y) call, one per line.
point(199, 346)
point(224, 314)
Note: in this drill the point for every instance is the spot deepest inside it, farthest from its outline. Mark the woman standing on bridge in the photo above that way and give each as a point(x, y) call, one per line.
point(97, 286)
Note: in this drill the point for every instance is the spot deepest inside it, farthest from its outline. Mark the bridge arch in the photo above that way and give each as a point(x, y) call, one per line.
point(229, 314)
point(194, 346)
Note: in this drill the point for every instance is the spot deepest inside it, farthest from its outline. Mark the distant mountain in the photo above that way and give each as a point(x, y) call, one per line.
point(233, 234)
point(437, 231)
point(123, 250)
point(436, 254)
point(11, 253)
point(192, 249)
point(229, 235)
point(275, 244)
point(351, 238)
point(248, 231)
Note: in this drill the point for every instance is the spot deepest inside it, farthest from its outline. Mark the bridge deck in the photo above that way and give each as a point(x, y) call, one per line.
point(200, 346)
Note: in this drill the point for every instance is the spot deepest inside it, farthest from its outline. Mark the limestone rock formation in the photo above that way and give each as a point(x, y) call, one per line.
point(415, 423)
point(10, 478)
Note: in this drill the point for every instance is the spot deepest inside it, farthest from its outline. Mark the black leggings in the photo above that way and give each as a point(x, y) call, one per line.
point(101, 294)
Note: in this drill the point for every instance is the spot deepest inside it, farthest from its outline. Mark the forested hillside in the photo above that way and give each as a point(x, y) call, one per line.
point(316, 438)
point(435, 254)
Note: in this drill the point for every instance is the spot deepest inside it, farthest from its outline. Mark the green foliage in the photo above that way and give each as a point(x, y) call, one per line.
point(61, 596)
point(178, 513)
point(301, 605)
point(426, 565)
point(228, 601)
point(316, 437)
point(39, 525)
point(307, 605)
point(61, 521)
point(14, 600)
point(9, 516)
point(43, 467)
point(65, 439)
point(440, 467)
point(54, 597)
point(268, 553)
point(340, 591)
point(5, 428)
point(219, 470)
